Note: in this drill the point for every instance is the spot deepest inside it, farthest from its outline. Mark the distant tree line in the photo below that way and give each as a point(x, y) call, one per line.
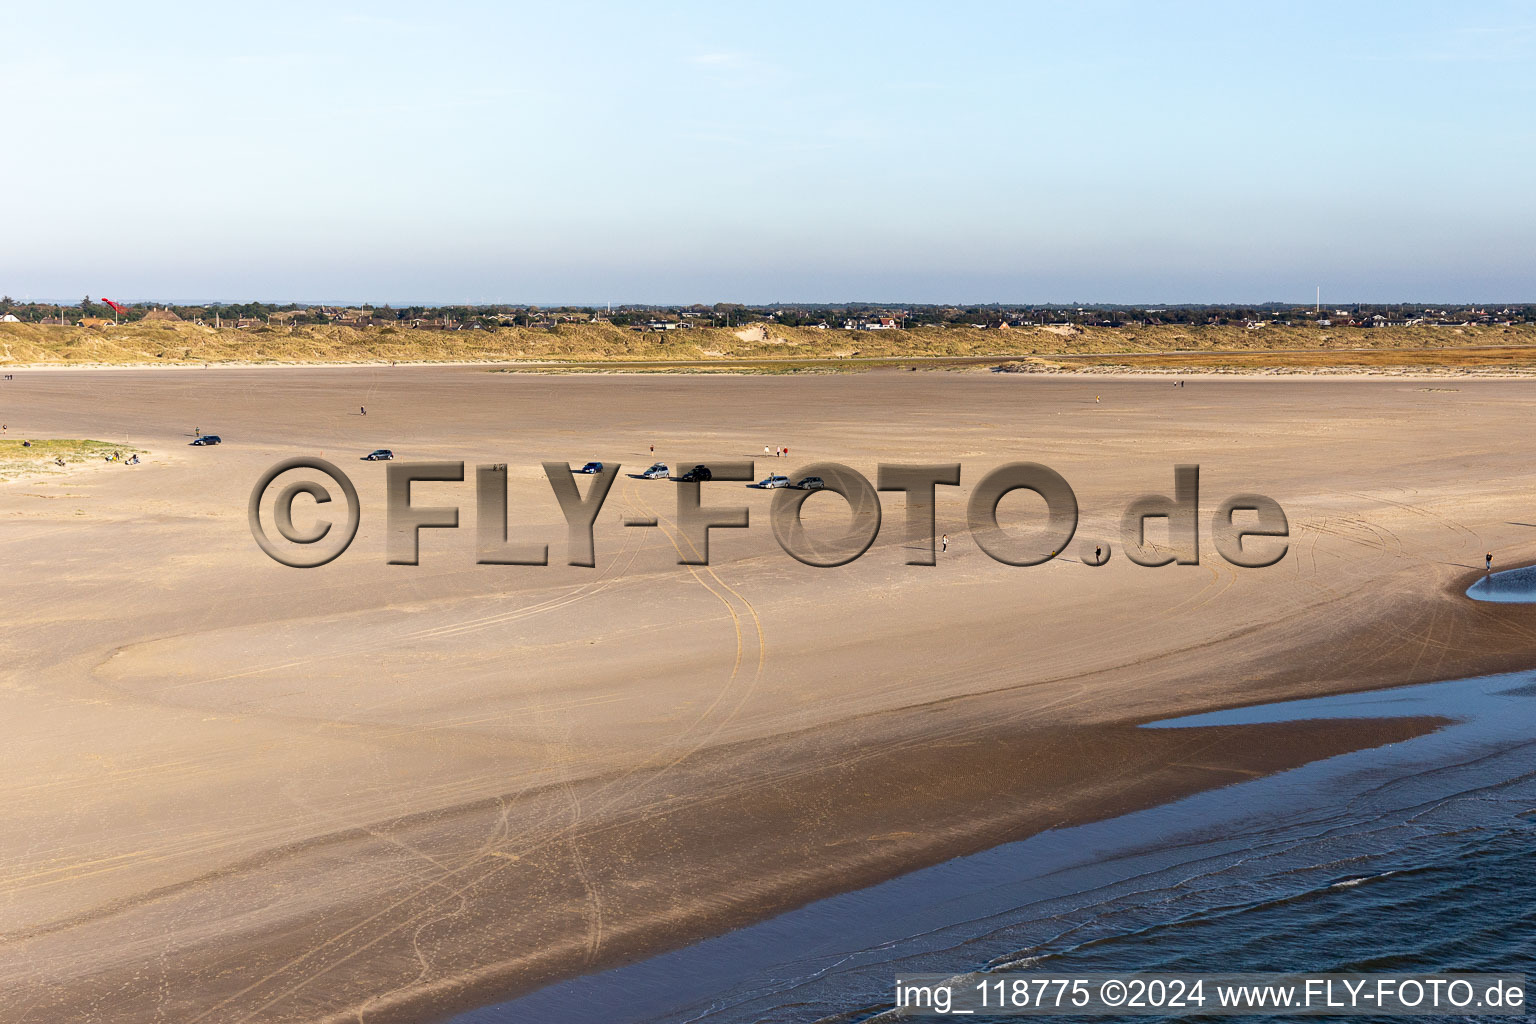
point(730, 314)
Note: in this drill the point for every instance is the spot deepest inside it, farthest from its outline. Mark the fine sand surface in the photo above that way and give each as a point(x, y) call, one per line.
point(242, 792)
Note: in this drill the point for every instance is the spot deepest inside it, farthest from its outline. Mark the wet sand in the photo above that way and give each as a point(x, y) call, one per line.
point(240, 791)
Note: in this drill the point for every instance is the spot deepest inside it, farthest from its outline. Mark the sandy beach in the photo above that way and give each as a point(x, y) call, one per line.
point(244, 792)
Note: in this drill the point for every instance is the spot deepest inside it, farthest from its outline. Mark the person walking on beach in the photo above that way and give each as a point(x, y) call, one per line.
point(362, 410)
point(1097, 557)
point(1488, 562)
point(944, 543)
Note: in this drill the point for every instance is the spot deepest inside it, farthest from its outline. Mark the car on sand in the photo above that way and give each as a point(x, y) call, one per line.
point(206, 439)
point(379, 455)
point(697, 473)
point(769, 483)
point(811, 483)
point(657, 472)
point(591, 468)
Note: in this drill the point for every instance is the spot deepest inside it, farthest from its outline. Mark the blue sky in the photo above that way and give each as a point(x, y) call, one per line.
point(760, 152)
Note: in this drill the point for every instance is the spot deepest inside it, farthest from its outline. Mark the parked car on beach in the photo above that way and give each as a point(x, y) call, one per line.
point(697, 473)
point(773, 481)
point(591, 468)
point(811, 483)
point(379, 455)
point(657, 472)
point(206, 439)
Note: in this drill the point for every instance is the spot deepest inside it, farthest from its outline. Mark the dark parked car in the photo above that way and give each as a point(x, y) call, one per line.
point(208, 439)
point(697, 473)
point(811, 483)
point(379, 455)
point(591, 467)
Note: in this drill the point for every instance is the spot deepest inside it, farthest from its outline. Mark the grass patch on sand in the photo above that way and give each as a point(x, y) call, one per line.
point(16, 459)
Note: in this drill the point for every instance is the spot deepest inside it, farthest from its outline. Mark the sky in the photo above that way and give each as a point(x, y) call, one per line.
point(590, 152)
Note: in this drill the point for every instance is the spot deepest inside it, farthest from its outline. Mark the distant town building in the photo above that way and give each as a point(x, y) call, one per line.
point(167, 315)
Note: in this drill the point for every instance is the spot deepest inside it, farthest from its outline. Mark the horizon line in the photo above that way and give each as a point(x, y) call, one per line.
point(1093, 304)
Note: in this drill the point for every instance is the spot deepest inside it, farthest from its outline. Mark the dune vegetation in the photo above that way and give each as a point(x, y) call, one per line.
point(162, 344)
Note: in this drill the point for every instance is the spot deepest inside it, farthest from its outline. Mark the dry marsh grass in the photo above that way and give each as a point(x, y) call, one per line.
point(189, 344)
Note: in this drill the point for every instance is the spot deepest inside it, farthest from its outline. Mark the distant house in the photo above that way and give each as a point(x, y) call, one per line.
point(54, 321)
point(10, 318)
point(249, 321)
point(167, 315)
